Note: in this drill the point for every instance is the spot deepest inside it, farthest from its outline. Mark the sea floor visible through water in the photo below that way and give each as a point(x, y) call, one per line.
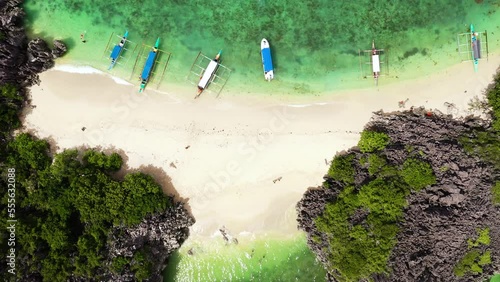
point(264, 258)
point(315, 44)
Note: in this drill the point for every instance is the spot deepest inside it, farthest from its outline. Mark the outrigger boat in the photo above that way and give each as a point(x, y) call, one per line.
point(209, 73)
point(476, 47)
point(375, 62)
point(148, 67)
point(375, 58)
point(117, 50)
point(267, 61)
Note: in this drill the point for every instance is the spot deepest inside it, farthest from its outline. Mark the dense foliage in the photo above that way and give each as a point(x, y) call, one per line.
point(486, 143)
point(493, 95)
point(66, 206)
point(11, 103)
point(341, 169)
point(474, 260)
point(496, 193)
point(361, 223)
point(417, 174)
point(371, 141)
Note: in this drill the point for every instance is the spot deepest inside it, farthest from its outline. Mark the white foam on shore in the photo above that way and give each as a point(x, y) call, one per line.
point(122, 81)
point(306, 105)
point(77, 69)
point(89, 70)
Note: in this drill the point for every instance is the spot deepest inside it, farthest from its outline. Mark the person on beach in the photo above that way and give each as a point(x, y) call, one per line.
point(82, 37)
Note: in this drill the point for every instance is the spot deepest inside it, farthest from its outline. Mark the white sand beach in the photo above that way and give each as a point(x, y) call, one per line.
point(226, 154)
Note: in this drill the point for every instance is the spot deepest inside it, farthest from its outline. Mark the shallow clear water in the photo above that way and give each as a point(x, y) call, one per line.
point(315, 43)
point(269, 259)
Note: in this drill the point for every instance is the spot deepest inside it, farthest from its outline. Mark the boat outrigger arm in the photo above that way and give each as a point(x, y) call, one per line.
point(117, 50)
point(375, 62)
point(210, 71)
point(148, 67)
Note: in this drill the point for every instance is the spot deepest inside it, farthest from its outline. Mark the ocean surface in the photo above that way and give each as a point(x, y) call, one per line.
point(316, 48)
point(315, 44)
point(264, 258)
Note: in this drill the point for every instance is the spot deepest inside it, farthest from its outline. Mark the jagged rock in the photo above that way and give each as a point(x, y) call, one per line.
point(438, 220)
point(162, 234)
point(452, 199)
point(59, 49)
point(20, 60)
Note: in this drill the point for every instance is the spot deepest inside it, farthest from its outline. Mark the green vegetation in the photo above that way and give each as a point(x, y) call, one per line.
point(496, 193)
point(495, 278)
point(493, 95)
point(483, 238)
point(417, 174)
point(376, 163)
point(371, 141)
point(11, 102)
point(484, 144)
point(361, 249)
point(474, 259)
point(472, 262)
point(342, 169)
point(67, 205)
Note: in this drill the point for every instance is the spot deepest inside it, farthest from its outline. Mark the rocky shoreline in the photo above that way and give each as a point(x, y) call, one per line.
point(21, 60)
point(438, 220)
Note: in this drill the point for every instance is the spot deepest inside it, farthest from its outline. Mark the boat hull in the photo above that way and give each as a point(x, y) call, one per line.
point(267, 62)
point(476, 54)
point(117, 50)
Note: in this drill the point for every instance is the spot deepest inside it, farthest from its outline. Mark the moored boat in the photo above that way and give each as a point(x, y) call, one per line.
point(375, 62)
point(267, 61)
point(476, 47)
point(117, 50)
point(209, 73)
point(148, 66)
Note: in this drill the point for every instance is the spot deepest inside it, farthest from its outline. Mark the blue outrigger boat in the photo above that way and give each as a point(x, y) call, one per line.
point(117, 50)
point(476, 47)
point(267, 61)
point(148, 67)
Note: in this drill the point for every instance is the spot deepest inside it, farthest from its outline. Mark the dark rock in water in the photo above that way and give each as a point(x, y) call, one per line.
point(438, 220)
point(21, 61)
point(59, 49)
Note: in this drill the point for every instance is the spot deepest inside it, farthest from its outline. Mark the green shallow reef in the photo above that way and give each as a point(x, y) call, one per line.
point(265, 258)
point(315, 44)
point(416, 200)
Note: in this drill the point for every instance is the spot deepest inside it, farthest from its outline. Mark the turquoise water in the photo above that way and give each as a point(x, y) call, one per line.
point(315, 43)
point(268, 259)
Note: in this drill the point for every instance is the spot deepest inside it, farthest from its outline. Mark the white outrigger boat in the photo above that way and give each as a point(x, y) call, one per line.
point(267, 61)
point(209, 73)
point(375, 62)
point(373, 58)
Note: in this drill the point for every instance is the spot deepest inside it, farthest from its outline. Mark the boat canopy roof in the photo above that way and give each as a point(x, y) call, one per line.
point(116, 52)
point(209, 71)
point(149, 65)
point(266, 59)
point(375, 63)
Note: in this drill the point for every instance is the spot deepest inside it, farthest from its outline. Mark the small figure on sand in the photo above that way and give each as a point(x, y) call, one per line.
point(402, 104)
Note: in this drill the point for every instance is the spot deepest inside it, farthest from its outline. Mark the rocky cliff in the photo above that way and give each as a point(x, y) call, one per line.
point(440, 220)
point(21, 60)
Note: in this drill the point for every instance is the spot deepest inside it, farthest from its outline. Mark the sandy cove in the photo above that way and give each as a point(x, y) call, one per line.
point(242, 161)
